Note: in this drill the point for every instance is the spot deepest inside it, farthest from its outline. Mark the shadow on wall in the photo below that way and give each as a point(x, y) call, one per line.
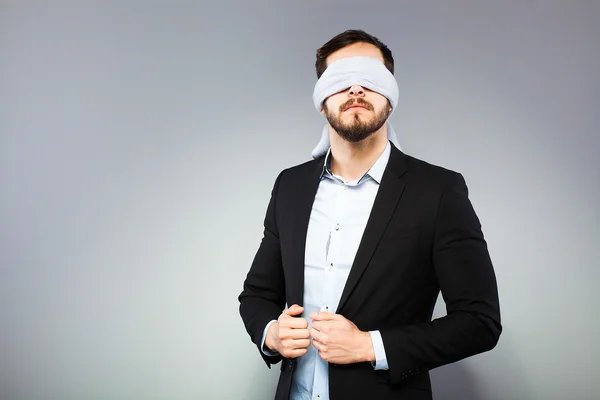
point(453, 381)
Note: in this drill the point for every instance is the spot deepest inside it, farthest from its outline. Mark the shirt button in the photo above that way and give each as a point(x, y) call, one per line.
point(337, 227)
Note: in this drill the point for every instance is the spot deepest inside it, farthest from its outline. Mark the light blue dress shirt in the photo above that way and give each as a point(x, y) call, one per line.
point(337, 221)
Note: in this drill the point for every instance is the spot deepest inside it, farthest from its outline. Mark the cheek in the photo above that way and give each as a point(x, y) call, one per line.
point(382, 106)
point(380, 102)
point(335, 101)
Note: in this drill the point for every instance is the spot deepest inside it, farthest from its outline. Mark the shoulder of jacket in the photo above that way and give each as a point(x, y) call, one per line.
point(431, 172)
point(301, 169)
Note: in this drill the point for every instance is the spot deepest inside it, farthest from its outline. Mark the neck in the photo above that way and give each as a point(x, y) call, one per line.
point(352, 160)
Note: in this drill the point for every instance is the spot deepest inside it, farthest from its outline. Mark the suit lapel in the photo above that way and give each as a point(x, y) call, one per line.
point(304, 196)
point(388, 196)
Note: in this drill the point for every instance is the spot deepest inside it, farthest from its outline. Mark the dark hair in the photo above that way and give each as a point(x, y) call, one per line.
point(346, 39)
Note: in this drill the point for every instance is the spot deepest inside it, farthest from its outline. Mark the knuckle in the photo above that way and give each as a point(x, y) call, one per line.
point(285, 324)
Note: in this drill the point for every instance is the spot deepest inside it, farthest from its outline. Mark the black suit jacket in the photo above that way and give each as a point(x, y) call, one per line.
point(422, 236)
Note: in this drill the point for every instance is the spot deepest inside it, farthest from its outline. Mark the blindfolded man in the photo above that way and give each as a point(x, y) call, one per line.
point(357, 245)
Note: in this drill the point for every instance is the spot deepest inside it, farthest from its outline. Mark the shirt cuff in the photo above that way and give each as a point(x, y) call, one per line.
point(266, 351)
point(379, 350)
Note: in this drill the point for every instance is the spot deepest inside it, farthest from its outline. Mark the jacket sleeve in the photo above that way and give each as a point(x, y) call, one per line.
point(263, 296)
point(468, 285)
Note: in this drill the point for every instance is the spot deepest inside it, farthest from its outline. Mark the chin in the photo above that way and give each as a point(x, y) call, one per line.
point(358, 115)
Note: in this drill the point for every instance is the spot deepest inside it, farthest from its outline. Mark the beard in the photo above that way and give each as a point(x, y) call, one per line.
point(359, 128)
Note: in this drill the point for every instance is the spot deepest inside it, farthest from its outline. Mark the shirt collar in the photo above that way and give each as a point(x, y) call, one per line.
point(375, 172)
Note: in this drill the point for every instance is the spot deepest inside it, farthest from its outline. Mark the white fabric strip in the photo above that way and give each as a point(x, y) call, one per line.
point(368, 72)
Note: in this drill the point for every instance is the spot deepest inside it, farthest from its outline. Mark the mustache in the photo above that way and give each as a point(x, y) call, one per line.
point(360, 101)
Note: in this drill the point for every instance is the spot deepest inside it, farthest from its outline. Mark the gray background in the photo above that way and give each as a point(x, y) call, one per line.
point(139, 143)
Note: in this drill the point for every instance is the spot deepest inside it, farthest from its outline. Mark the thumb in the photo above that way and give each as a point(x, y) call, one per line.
point(294, 310)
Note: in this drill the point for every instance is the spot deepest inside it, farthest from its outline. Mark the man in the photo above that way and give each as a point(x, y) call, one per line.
point(359, 242)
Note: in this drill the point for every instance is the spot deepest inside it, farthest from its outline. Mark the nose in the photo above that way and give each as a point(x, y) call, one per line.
point(356, 91)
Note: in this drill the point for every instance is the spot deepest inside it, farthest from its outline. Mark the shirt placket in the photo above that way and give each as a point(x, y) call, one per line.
point(335, 243)
point(332, 256)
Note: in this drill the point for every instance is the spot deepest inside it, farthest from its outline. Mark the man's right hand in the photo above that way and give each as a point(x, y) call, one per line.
point(289, 336)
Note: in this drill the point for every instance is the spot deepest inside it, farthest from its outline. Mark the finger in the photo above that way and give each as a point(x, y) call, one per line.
point(296, 344)
point(318, 336)
point(294, 310)
point(294, 323)
point(323, 316)
point(294, 353)
point(321, 326)
point(316, 344)
point(291, 333)
point(324, 355)
point(319, 346)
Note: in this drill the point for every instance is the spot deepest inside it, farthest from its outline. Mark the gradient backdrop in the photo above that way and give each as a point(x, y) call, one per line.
point(139, 143)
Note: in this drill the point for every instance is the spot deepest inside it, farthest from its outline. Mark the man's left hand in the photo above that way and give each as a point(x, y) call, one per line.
point(338, 340)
